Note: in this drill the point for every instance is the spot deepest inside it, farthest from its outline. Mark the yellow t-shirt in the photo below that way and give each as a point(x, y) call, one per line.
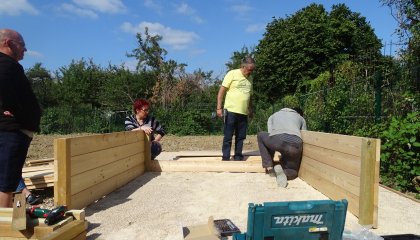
point(238, 93)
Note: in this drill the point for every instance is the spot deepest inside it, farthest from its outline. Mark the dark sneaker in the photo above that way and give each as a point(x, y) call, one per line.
point(33, 199)
point(281, 178)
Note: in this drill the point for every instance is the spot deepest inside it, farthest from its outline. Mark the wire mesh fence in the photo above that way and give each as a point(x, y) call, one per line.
point(341, 108)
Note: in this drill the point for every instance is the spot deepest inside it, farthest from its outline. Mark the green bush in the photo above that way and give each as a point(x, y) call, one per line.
point(400, 151)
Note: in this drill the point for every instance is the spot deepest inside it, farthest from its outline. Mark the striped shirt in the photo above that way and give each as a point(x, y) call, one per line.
point(132, 123)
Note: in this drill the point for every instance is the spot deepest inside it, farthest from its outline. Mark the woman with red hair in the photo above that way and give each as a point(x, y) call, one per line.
point(141, 121)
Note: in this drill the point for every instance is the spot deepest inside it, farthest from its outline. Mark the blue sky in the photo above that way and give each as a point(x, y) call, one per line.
point(201, 33)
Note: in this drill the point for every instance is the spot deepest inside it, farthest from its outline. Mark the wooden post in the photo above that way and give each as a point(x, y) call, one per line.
point(19, 212)
point(147, 152)
point(369, 175)
point(62, 172)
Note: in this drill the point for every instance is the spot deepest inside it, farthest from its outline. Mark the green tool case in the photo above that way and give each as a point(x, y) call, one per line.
point(299, 220)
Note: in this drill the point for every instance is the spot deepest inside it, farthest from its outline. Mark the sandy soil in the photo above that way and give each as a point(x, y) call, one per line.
point(157, 205)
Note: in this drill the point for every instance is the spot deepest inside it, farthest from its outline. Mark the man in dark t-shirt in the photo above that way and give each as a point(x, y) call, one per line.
point(20, 113)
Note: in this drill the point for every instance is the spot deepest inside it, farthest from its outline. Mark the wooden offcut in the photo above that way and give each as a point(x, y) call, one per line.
point(19, 212)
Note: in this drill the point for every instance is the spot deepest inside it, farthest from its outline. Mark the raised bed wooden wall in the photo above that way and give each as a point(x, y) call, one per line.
point(89, 167)
point(343, 166)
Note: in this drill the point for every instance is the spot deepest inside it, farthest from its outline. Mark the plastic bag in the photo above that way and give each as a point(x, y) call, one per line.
point(361, 233)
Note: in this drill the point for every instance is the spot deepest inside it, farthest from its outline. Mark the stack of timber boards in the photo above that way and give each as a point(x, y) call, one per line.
point(39, 174)
point(205, 161)
point(72, 227)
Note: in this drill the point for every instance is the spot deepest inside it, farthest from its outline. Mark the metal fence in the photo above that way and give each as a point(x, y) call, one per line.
point(340, 108)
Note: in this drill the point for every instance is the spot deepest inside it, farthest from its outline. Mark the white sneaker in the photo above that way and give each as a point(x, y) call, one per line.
point(281, 178)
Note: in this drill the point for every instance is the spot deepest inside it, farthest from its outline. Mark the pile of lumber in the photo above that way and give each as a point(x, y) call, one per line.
point(39, 173)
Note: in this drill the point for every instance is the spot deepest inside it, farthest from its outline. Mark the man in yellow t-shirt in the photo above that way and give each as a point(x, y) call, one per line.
point(237, 85)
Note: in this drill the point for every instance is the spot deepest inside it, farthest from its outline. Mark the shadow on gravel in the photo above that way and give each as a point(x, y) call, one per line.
point(120, 195)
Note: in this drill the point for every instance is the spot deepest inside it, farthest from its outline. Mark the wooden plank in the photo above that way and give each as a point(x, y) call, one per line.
point(19, 212)
point(6, 215)
point(76, 214)
point(329, 189)
point(212, 153)
point(81, 236)
point(98, 142)
point(92, 160)
point(205, 166)
point(343, 161)
point(40, 168)
point(369, 183)
point(216, 159)
point(68, 231)
point(38, 174)
point(90, 195)
point(340, 143)
point(147, 150)
point(336, 176)
point(38, 180)
point(62, 166)
point(134, 136)
point(36, 162)
point(7, 231)
point(96, 176)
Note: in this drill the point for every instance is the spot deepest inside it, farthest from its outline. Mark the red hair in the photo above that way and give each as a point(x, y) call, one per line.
point(139, 104)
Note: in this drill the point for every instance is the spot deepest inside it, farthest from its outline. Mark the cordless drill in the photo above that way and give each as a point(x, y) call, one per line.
point(51, 216)
point(37, 212)
point(55, 215)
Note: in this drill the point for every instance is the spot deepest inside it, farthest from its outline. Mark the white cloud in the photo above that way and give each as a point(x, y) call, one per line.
point(90, 8)
point(255, 28)
point(78, 11)
point(16, 7)
point(177, 39)
point(104, 6)
point(154, 5)
point(241, 9)
point(34, 54)
point(185, 9)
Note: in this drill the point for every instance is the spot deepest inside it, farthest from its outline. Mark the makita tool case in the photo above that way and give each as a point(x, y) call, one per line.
point(300, 220)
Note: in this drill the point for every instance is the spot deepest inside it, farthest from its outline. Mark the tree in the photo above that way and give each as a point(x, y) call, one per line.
point(407, 14)
point(80, 83)
point(302, 46)
point(43, 85)
point(236, 58)
point(121, 87)
point(151, 57)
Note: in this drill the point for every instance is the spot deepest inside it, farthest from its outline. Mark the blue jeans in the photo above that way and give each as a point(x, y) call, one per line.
point(13, 149)
point(237, 124)
point(155, 149)
point(21, 185)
